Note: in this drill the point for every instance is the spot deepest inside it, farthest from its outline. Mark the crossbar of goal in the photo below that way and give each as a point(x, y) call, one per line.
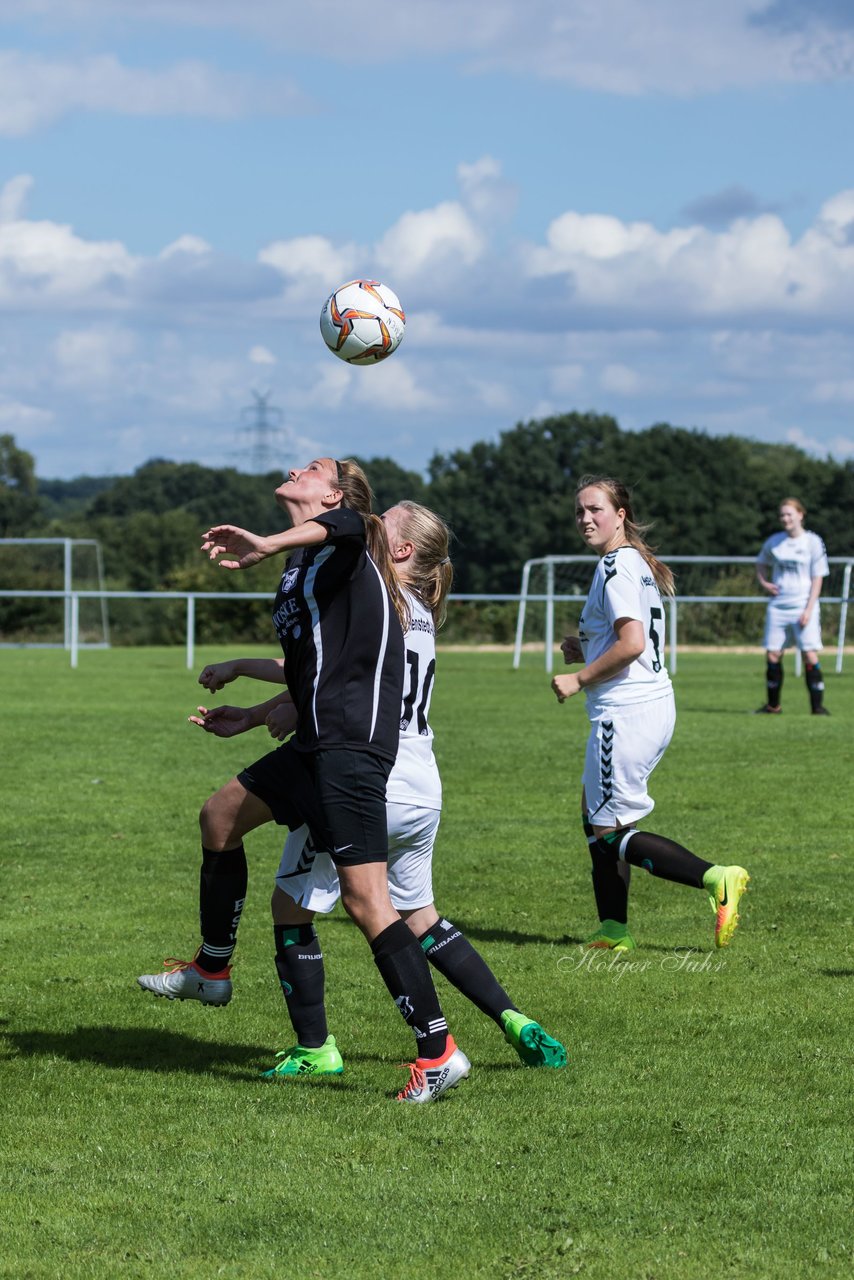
point(550, 598)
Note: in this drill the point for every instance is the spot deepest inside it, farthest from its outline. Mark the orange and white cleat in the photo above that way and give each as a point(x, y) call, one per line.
point(429, 1078)
point(184, 980)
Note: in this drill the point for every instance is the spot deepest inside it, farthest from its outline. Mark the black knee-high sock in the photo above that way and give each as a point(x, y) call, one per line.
point(610, 879)
point(299, 964)
point(660, 856)
point(222, 892)
point(774, 682)
point(449, 951)
point(815, 684)
point(406, 973)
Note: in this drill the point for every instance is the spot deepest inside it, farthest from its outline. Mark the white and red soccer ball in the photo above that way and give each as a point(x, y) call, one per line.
point(362, 322)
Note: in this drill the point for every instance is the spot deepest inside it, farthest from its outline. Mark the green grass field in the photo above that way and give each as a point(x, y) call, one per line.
point(699, 1129)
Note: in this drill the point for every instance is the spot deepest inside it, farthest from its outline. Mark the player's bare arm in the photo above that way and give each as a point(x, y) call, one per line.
point(770, 587)
point(228, 721)
point(218, 674)
point(251, 548)
point(629, 644)
point(815, 592)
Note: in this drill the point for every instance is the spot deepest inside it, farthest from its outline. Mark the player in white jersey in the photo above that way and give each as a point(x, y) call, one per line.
point(307, 880)
point(632, 716)
point(791, 567)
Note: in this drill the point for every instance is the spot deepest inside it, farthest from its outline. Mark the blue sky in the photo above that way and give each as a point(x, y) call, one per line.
point(645, 209)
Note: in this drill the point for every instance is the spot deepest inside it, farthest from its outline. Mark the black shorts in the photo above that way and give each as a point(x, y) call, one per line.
point(339, 793)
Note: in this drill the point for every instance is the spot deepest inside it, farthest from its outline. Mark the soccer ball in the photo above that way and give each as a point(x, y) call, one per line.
point(362, 322)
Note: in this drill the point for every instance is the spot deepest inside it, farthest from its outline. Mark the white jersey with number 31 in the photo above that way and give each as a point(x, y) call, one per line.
point(623, 587)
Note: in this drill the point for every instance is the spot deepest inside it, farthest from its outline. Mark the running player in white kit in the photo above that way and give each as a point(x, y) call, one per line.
point(791, 568)
point(632, 715)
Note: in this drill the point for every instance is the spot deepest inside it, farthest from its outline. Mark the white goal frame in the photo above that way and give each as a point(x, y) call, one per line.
point(550, 598)
point(66, 592)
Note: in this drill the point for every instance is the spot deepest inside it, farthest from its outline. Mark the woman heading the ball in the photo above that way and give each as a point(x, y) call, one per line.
point(632, 716)
point(308, 882)
point(791, 567)
point(335, 616)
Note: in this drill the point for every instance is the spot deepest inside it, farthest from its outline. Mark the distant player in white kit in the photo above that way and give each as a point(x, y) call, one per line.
point(791, 567)
point(632, 715)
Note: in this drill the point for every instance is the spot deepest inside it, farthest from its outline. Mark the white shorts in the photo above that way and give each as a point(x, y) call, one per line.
point(310, 878)
point(783, 631)
point(625, 745)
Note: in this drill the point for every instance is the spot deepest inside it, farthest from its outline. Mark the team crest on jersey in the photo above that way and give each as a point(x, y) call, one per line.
point(289, 578)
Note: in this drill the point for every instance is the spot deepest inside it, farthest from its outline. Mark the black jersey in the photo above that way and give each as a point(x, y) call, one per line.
point(342, 642)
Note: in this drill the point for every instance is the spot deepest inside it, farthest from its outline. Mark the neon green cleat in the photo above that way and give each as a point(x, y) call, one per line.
point(534, 1046)
point(323, 1061)
point(725, 886)
point(612, 936)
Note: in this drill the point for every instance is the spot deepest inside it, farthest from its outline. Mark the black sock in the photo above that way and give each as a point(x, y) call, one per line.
point(222, 892)
point(299, 964)
point(406, 973)
point(610, 879)
point(660, 856)
point(774, 682)
point(449, 951)
point(815, 684)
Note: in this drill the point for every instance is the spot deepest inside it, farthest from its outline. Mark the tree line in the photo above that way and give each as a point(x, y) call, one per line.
point(506, 500)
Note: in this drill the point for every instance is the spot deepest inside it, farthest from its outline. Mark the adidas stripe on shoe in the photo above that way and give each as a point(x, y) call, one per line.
point(429, 1078)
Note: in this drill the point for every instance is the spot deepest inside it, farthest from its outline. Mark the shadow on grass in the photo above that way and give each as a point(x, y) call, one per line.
point(837, 973)
point(162, 1052)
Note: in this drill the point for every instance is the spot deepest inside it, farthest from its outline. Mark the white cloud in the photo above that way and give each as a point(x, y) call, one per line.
point(261, 355)
point(23, 420)
point(312, 266)
point(752, 268)
point(193, 246)
point(44, 264)
point(13, 197)
point(679, 47)
point(485, 191)
point(435, 240)
point(691, 326)
point(837, 446)
point(36, 91)
point(392, 386)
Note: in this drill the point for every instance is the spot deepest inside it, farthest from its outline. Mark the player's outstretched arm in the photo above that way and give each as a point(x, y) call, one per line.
point(251, 548)
point(225, 722)
point(228, 722)
point(217, 675)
